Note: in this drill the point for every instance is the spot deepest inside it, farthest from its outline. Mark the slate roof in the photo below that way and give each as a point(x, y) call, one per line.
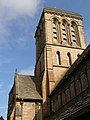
point(27, 87)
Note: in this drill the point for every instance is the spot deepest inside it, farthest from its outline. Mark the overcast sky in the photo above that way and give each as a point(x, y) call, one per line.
point(18, 21)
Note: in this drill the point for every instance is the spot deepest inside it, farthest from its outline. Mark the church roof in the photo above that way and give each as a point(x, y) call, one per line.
point(27, 87)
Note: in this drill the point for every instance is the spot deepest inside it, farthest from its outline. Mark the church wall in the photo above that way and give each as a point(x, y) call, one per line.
point(18, 111)
point(40, 38)
point(28, 110)
point(59, 72)
point(58, 47)
point(49, 28)
point(57, 44)
point(64, 60)
point(12, 116)
point(11, 104)
point(63, 54)
point(74, 91)
point(81, 33)
point(40, 66)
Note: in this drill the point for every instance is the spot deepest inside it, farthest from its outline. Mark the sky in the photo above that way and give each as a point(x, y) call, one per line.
point(18, 21)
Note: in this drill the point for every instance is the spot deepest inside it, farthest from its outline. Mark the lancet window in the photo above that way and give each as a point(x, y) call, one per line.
point(69, 59)
point(58, 58)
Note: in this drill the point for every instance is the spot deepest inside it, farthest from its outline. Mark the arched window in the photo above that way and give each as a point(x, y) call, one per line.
point(64, 31)
point(55, 29)
point(58, 58)
point(69, 59)
point(74, 34)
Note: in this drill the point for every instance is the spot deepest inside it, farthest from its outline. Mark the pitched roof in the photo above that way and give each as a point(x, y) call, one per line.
point(27, 87)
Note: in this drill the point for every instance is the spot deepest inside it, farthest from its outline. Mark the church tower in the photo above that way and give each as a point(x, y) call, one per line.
point(59, 42)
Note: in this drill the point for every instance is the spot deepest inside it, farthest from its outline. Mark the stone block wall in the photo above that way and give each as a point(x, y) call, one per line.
point(73, 91)
point(28, 111)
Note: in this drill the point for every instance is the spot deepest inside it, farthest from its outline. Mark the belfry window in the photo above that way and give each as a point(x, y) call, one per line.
point(64, 31)
point(58, 58)
point(55, 29)
point(69, 59)
point(74, 34)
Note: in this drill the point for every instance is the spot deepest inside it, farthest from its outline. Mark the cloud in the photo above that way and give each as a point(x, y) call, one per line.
point(27, 71)
point(15, 8)
point(19, 11)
